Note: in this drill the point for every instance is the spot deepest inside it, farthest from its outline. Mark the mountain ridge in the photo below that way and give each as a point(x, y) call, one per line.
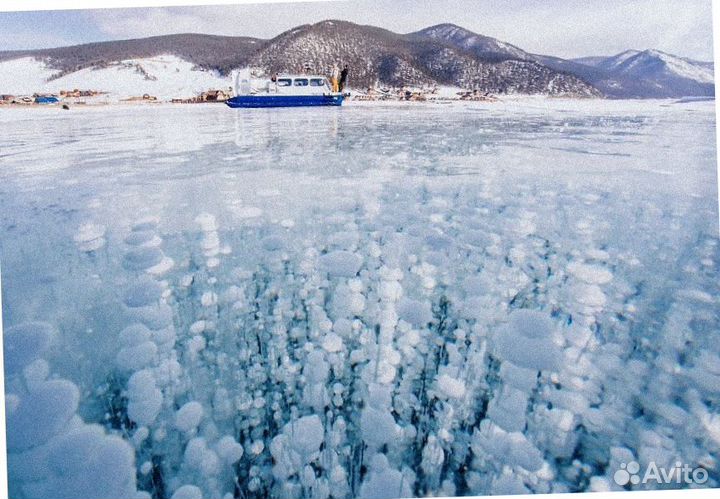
point(654, 73)
point(443, 54)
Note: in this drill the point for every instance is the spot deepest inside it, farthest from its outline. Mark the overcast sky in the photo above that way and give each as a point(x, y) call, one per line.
point(565, 28)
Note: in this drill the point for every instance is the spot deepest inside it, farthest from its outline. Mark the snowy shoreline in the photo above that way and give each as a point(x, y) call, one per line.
point(513, 102)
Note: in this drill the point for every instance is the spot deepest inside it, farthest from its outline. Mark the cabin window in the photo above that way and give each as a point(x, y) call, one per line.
point(317, 82)
point(284, 82)
point(301, 82)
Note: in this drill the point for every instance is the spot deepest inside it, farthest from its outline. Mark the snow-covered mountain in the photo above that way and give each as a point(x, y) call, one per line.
point(652, 73)
point(380, 56)
point(608, 63)
point(657, 64)
point(630, 74)
point(221, 53)
point(375, 55)
point(480, 45)
point(445, 54)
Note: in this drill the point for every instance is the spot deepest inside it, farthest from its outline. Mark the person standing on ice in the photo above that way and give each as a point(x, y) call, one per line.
point(334, 78)
point(343, 77)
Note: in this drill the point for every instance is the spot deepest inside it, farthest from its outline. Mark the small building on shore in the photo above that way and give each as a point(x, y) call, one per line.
point(75, 93)
point(143, 98)
point(214, 96)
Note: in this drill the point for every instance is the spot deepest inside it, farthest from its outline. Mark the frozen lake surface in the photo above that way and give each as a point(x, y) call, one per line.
point(373, 301)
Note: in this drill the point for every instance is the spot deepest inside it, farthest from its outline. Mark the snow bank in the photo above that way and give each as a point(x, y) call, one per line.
point(24, 76)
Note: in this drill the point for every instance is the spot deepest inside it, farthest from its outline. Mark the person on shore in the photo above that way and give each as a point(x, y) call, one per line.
point(343, 77)
point(334, 78)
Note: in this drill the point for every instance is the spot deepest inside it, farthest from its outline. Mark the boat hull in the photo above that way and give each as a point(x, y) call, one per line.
point(257, 101)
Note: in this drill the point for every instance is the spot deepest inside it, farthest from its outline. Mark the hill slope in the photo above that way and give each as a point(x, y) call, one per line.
point(163, 76)
point(630, 74)
point(375, 55)
point(652, 73)
point(482, 46)
point(222, 53)
point(378, 55)
point(444, 54)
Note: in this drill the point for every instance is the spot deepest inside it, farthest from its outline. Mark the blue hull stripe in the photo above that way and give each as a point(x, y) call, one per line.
point(284, 100)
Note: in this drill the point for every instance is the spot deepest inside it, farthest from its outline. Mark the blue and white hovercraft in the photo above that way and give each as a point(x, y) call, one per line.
point(283, 91)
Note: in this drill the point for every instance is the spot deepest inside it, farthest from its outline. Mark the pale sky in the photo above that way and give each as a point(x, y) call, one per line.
point(565, 28)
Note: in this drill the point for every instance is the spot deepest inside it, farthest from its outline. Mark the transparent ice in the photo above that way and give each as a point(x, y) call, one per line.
point(373, 301)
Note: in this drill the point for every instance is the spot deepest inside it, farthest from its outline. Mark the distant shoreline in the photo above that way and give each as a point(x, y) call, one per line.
point(505, 100)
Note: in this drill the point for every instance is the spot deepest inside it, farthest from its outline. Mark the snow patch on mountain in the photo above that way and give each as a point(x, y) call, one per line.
point(684, 68)
point(19, 76)
point(165, 77)
point(614, 62)
point(470, 41)
point(647, 74)
point(653, 64)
